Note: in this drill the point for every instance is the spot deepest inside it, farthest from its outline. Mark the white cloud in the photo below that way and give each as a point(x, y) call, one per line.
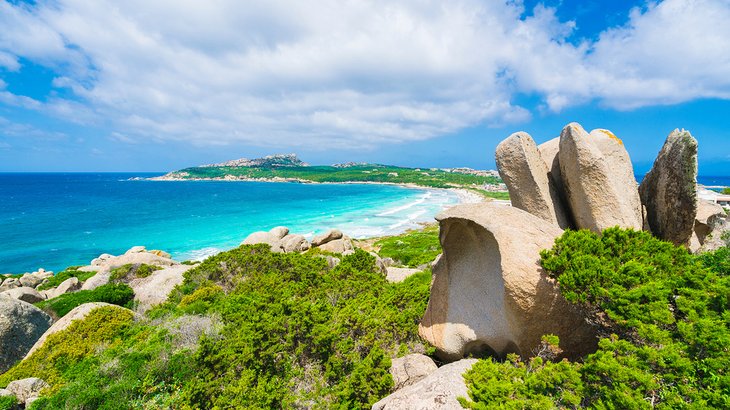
point(337, 74)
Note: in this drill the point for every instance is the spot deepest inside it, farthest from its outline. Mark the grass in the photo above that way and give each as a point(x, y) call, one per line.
point(133, 270)
point(413, 248)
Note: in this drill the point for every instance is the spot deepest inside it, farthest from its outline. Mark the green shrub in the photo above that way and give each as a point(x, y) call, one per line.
point(413, 248)
point(133, 270)
point(114, 293)
point(665, 314)
point(70, 272)
point(8, 403)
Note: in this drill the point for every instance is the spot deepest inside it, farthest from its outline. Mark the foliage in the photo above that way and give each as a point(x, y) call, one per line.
point(60, 277)
point(114, 293)
point(60, 355)
point(502, 195)
point(133, 270)
point(292, 333)
point(362, 173)
point(8, 403)
point(413, 248)
point(725, 191)
point(667, 309)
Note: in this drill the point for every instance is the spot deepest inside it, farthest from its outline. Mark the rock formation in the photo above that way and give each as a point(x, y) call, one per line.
point(27, 390)
point(24, 293)
point(598, 179)
point(21, 324)
point(341, 245)
point(68, 285)
point(669, 190)
point(328, 236)
point(437, 391)
point(294, 243)
point(489, 293)
point(155, 289)
point(395, 275)
point(410, 369)
point(527, 178)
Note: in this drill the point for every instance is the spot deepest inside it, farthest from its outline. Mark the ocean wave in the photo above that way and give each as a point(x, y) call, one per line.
point(409, 205)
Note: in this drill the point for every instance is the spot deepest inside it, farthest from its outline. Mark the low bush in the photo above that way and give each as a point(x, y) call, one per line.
point(114, 293)
point(132, 271)
point(664, 314)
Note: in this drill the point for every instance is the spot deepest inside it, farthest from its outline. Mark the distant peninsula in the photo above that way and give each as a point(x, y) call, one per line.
point(289, 168)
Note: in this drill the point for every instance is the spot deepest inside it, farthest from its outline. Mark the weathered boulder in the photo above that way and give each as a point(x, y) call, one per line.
point(26, 389)
point(489, 292)
point(526, 175)
point(160, 253)
point(709, 217)
point(264, 237)
point(69, 285)
point(395, 275)
point(328, 236)
point(77, 313)
point(410, 369)
point(669, 190)
point(279, 232)
point(34, 279)
point(341, 245)
point(21, 324)
point(155, 289)
point(24, 293)
point(101, 259)
point(439, 390)
point(9, 283)
point(133, 256)
point(136, 249)
point(294, 243)
point(598, 180)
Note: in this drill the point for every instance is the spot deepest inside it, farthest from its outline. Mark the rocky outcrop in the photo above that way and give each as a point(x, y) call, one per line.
point(526, 175)
point(710, 217)
point(410, 369)
point(24, 293)
point(27, 390)
point(669, 190)
point(598, 180)
point(155, 288)
point(9, 283)
point(21, 324)
point(77, 313)
point(136, 255)
point(328, 236)
point(341, 245)
point(489, 292)
point(395, 275)
point(67, 286)
point(439, 390)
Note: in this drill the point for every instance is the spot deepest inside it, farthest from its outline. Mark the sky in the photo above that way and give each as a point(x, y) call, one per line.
point(144, 85)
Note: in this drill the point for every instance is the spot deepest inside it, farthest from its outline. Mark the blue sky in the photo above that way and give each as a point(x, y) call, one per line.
point(155, 86)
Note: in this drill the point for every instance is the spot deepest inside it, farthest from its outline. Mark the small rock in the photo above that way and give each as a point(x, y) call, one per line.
point(410, 369)
point(24, 293)
point(32, 280)
point(136, 249)
point(338, 245)
point(437, 391)
point(279, 232)
point(103, 258)
point(160, 253)
point(67, 286)
point(395, 275)
point(328, 236)
point(264, 237)
point(25, 389)
point(9, 283)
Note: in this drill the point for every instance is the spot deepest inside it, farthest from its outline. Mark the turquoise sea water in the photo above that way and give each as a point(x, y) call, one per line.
point(58, 220)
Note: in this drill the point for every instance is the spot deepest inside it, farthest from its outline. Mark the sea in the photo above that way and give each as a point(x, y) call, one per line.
point(56, 220)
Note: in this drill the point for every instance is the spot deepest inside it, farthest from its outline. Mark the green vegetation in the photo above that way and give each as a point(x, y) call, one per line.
point(664, 314)
point(413, 248)
point(133, 270)
point(70, 272)
point(247, 328)
point(358, 173)
point(114, 293)
point(495, 195)
point(8, 403)
point(725, 191)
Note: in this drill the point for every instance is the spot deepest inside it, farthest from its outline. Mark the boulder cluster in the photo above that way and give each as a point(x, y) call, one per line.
point(489, 293)
point(281, 240)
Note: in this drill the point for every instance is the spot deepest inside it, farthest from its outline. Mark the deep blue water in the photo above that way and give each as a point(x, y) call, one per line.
point(58, 220)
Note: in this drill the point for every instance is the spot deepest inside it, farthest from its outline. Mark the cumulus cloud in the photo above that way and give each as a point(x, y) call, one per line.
point(337, 74)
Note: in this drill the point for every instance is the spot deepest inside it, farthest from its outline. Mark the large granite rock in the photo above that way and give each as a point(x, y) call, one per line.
point(410, 369)
point(341, 245)
point(294, 243)
point(21, 324)
point(489, 292)
point(26, 390)
point(24, 293)
point(328, 236)
point(9, 283)
point(77, 313)
point(437, 391)
point(273, 238)
point(669, 190)
point(155, 289)
point(598, 180)
point(526, 175)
